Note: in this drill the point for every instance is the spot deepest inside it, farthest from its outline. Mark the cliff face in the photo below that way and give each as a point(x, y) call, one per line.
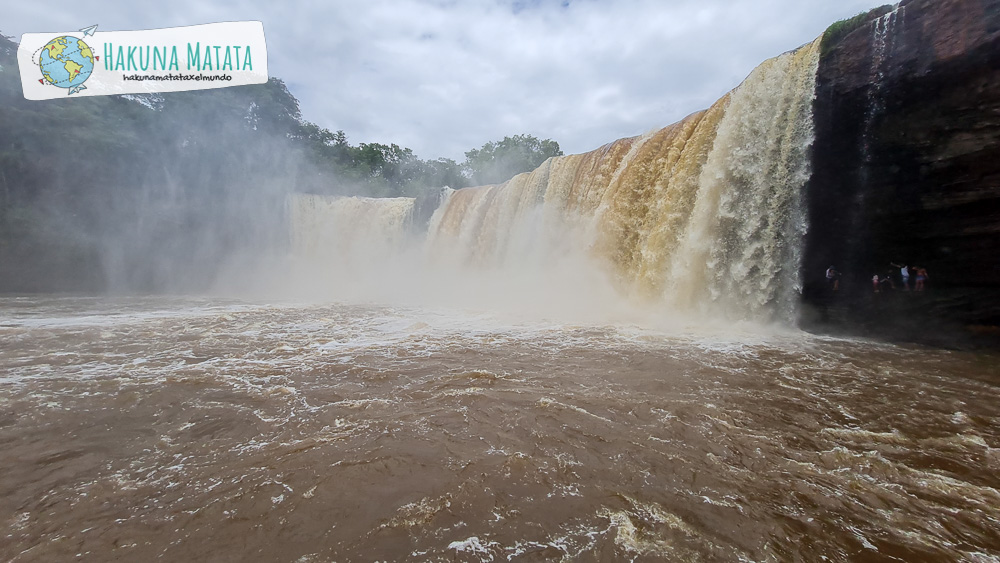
point(906, 169)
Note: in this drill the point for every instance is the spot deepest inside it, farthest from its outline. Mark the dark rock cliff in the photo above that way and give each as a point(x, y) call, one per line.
point(906, 169)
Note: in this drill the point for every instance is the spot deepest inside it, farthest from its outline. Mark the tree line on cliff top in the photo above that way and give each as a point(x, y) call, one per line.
point(158, 192)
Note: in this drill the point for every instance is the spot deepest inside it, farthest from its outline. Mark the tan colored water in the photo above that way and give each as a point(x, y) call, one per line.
point(349, 231)
point(198, 430)
point(703, 215)
point(701, 218)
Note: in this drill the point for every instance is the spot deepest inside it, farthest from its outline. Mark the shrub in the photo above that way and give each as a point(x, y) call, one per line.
point(843, 28)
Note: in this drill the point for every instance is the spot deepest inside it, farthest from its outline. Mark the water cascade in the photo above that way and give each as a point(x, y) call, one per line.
point(741, 251)
point(339, 233)
point(702, 215)
point(883, 43)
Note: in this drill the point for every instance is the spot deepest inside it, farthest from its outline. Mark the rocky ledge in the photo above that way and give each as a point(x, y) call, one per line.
point(906, 170)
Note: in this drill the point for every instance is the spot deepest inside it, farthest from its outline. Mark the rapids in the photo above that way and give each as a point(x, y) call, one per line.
point(185, 429)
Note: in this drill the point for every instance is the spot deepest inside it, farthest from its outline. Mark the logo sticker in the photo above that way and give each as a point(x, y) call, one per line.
point(89, 62)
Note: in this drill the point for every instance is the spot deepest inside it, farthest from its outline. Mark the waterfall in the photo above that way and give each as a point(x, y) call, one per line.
point(741, 252)
point(348, 231)
point(883, 43)
point(702, 217)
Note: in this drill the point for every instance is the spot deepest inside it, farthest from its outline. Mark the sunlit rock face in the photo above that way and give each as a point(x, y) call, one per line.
point(906, 167)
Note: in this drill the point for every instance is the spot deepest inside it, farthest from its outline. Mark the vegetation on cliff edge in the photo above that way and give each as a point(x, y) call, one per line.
point(841, 29)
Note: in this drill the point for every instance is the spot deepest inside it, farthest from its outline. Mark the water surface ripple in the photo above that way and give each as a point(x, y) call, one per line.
point(170, 429)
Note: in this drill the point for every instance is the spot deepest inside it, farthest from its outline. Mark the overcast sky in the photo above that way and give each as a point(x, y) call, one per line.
point(444, 76)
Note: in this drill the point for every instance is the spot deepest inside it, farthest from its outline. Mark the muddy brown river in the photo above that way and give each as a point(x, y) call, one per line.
point(217, 430)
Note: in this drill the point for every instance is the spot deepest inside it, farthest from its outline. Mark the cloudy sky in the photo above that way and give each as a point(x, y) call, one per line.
point(444, 76)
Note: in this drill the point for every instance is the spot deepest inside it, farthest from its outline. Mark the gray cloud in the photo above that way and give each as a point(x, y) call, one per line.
point(443, 77)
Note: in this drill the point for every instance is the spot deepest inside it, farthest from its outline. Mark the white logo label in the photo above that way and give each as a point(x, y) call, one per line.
point(89, 62)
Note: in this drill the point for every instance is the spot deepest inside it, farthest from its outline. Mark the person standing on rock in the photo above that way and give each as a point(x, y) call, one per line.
point(832, 278)
point(904, 272)
point(921, 278)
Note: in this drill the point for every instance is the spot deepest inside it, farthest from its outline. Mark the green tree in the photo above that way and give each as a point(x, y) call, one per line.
point(389, 168)
point(439, 173)
point(499, 161)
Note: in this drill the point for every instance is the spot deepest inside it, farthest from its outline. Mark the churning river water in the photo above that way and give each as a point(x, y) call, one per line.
point(194, 429)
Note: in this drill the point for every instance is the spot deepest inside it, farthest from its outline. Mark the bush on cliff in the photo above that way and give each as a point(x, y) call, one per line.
point(843, 28)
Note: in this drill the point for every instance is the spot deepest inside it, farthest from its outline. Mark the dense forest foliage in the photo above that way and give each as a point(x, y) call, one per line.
point(498, 161)
point(166, 192)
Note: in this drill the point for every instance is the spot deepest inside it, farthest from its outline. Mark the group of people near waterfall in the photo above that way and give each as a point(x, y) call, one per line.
point(887, 281)
point(918, 273)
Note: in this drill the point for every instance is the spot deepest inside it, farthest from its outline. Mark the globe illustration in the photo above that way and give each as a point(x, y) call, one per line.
point(66, 62)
